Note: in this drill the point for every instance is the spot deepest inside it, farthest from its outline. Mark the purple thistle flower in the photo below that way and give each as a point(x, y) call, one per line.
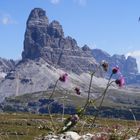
point(74, 118)
point(63, 77)
point(77, 91)
point(120, 82)
point(115, 70)
point(104, 65)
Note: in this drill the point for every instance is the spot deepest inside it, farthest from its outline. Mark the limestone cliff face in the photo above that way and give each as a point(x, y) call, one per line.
point(47, 40)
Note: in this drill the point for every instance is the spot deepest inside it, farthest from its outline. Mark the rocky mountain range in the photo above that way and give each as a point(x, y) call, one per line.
point(128, 66)
point(48, 53)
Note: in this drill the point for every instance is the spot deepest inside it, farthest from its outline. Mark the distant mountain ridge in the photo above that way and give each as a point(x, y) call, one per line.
point(128, 66)
point(48, 53)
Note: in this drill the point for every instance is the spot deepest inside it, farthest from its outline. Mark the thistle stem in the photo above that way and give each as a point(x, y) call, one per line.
point(87, 102)
point(51, 118)
point(103, 96)
point(49, 112)
point(53, 89)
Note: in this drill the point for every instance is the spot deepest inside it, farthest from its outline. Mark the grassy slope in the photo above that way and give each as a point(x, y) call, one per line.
point(78, 100)
point(26, 126)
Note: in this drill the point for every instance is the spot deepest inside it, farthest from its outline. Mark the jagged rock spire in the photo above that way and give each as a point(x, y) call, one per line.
point(37, 17)
point(55, 29)
point(40, 34)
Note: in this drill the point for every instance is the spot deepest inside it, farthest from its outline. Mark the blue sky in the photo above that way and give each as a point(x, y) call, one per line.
point(110, 25)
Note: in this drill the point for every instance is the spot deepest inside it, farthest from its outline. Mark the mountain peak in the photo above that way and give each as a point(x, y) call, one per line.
point(37, 13)
point(86, 48)
point(55, 29)
point(37, 17)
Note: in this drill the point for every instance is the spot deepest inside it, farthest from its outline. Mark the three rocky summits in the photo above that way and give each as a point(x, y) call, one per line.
point(47, 52)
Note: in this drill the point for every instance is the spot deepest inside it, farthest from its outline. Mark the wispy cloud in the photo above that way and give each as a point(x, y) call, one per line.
point(135, 54)
point(81, 2)
point(55, 1)
point(6, 19)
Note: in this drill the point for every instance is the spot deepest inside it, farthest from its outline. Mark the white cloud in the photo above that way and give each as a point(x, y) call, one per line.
point(6, 20)
point(138, 63)
point(55, 1)
point(135, 54)
point(81, 2)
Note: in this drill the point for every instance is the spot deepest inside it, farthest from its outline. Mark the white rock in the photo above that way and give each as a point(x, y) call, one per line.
point(70, 136)
point(88, 136)
point(51, 137)
point(133, 138)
